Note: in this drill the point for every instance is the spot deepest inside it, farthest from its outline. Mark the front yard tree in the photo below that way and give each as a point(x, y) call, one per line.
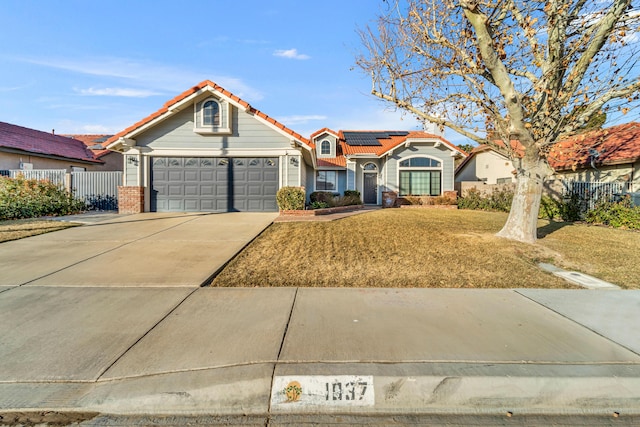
point(500, 71)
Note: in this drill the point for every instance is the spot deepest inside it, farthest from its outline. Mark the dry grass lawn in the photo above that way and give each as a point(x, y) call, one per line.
point(21, 228)
point(607, 253)
point(429, 248)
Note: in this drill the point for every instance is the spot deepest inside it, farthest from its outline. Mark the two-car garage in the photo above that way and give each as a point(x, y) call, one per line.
point(214, 184)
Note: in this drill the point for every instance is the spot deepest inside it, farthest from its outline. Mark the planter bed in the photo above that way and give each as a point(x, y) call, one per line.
point(324, 211)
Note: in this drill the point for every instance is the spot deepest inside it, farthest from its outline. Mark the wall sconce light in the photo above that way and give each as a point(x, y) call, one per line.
point(294, 161)
point(132, 160)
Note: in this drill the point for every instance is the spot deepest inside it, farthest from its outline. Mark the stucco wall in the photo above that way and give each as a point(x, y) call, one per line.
point(12, 161)
point(487, 166)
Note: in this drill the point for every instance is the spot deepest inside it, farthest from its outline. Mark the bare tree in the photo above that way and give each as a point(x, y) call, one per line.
point(516, 74)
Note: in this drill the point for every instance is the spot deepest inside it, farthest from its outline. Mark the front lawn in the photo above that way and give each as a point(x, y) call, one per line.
point(429, 248)
point(21, 228)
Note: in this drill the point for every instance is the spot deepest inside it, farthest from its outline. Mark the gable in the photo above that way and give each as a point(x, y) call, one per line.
point(177, 132)
point(186, 100)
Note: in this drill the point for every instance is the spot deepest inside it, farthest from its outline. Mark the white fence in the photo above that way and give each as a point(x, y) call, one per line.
point(590, 193)
point(99, 190)
point(56, 176)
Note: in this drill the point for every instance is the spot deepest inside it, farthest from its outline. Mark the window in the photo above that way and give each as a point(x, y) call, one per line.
point(370, 167)
point(327, 181)
point(420, 176)
point(211, 113)
point(325, 148)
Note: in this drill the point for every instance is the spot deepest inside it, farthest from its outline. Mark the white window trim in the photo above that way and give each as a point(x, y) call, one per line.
point(322, 145)
point(315, 180)
point(225, 111)
point(405, 168)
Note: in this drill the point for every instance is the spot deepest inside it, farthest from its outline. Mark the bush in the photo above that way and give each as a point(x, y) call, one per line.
point(321, 196)
point(499, 200)
point(567, 209)
point(30, 198)
point(319, 205)
point(616, 214)
point(291, 198)
point(352, 197)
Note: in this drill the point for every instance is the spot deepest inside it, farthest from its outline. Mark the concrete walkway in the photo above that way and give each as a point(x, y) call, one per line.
point(106, 325)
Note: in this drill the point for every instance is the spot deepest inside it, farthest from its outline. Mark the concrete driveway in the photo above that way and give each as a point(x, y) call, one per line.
point(150, 249)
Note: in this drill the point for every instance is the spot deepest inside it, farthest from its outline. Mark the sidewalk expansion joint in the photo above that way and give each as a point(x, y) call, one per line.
point(275, 365)
point(578, 323)
point(104, 371)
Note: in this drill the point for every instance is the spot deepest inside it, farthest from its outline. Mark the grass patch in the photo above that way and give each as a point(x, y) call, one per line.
point(394, 248)
point(606, 253)
point(21, 228)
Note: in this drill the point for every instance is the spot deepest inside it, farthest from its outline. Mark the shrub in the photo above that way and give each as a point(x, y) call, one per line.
point(499, 200)
point(321, 196)
point(567, 209)
point(352, 197)
point(30, 198)
point(616, 214)
point(291, 198)
point(319, 205)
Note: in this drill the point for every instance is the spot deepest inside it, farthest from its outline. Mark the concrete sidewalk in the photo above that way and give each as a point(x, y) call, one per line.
point(171, 356)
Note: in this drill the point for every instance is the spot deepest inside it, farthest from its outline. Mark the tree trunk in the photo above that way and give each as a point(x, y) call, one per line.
point(522, 224)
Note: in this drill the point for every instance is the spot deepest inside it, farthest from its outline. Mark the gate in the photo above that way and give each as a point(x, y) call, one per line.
point(99, 190)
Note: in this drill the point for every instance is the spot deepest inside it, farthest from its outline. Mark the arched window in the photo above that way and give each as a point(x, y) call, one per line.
point(325, 147)
point(420, 176)
point(370, 167)
point(211, 113)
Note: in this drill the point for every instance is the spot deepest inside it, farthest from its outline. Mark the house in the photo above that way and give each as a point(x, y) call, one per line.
point(372, 162)
point(208, 150)
point(487, 165)
point(98, 146)
point(24, 148)
point(604, 155)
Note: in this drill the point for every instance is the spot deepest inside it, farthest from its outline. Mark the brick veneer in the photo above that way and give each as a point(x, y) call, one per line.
point(130, 200)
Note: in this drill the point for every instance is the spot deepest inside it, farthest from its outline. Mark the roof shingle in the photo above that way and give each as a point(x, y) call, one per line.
point(44, 143)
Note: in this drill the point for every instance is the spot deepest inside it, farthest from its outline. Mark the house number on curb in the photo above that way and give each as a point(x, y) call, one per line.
point(294, 392)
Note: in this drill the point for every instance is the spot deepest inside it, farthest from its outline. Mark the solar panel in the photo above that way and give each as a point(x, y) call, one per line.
point(369, 138)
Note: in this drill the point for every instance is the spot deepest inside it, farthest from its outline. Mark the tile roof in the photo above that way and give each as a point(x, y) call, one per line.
point(44, 143)
point(615, 145)
point(93, 141)
point(393, 139)
point(191, 91)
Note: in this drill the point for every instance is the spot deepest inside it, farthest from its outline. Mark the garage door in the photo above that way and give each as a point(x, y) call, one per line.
point(214, 184)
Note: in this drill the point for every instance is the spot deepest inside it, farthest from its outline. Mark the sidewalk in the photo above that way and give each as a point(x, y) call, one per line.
point(296, 356)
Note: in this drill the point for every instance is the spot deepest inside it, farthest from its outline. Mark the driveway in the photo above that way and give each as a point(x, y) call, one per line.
point(149, 249)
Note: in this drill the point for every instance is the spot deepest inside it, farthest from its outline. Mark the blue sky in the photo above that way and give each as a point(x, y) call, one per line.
point(99, 66)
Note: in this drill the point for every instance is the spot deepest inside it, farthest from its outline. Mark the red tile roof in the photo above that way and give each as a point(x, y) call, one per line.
point(44, 143)
point(387, 143)
point(615, 145)
point(93, 141)
point(191, 91)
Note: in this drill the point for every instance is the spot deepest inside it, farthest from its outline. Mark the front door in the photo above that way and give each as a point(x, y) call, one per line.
point(370, 194)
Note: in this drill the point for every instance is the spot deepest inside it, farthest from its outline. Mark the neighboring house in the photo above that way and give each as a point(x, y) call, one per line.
point(208, 150)
point(487, 165)
point(605, 155)
point(24, 148)
point(98, 146)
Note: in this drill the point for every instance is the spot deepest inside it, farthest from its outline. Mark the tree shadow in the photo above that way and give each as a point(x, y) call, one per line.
point(552, 227)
